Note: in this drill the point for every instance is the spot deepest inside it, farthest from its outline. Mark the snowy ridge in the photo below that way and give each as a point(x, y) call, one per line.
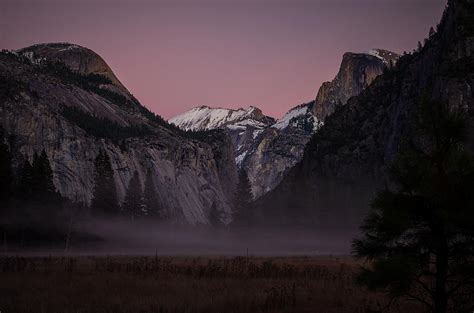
point(386, 56)
point(206, 118)
point(297, 115)
point(284, 122)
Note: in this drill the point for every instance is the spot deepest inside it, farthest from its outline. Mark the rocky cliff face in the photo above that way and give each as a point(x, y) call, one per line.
point(347, 158)
point(278, 148)
point(79, 59)
point(266, 148)
point(188, 172)
point(357, 71)
point(242, 125)
point(263, 146)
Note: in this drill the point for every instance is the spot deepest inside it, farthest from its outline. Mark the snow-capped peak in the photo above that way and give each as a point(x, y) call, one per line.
point(300, 116)
point(206, 118)
point(386, 56)
point(285, 120)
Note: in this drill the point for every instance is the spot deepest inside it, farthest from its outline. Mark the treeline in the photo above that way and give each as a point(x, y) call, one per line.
point(103, 127)
point(89, 82)
point(32, 210)
point(137, 203)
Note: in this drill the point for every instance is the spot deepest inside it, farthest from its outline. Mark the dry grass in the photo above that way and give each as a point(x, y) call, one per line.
point(181, 284)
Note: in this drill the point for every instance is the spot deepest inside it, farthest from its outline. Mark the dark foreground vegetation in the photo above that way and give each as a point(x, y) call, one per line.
point(172, 284)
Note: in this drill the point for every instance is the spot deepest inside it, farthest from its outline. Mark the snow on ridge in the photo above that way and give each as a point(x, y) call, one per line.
point(206, 118)
point(285, 120)
point(243, 124)
point(378, 53)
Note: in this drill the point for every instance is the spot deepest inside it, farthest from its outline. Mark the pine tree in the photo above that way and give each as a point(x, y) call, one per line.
point(25, 185)
point(242, 201)
point(420, 232)
point(432, 32)
point(42, 177)
point(5, 170)
point(104, 199)
point(215, 216)
point(150, 198)
point(132, 204)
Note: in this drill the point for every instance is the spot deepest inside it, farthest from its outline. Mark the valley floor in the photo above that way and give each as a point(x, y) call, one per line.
point(184, 284)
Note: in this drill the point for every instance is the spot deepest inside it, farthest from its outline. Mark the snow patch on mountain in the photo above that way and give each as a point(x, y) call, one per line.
point(206, 118)
point(290, 115)
point(298, 116)
point(386, 56)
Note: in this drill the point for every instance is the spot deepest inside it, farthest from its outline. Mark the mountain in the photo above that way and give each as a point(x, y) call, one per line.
point(268, 148)
point(265, 147)
point(277, 148)
point(65, 99)
point(79, 59)
point(206, 118)
point(357, 71)
point(346, 160)
point(242, 125)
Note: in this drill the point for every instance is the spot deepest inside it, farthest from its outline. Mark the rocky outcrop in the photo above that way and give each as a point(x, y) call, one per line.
point(278, 148)
point(346, 160)
point(187, 171)
point(80, 59)
point(357, 71)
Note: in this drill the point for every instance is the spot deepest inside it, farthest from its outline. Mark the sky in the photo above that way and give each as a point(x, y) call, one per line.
point(175, 55)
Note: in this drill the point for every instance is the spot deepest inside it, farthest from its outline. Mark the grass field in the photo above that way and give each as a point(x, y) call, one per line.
point(185, 284)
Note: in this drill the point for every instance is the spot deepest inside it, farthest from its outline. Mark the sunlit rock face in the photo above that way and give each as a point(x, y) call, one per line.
point(188, 172)
point(357, 71)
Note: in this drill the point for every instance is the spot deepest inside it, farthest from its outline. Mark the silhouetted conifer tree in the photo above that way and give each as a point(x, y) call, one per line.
point(42, 177)
point(420, 46)
point(420, 232)
point(25, 185)
point(215, 216)
point(132, 204)
point(242, 201)
point(432, 32)
point(5, 170)
point(104, 199)
point(150, 198)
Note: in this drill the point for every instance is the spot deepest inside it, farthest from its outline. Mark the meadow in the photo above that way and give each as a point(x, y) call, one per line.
point(74, 284)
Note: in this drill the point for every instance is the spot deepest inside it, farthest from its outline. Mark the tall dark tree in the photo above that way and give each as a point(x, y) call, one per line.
point(150, 198)
point(132, 204)
point(243, 199)
point(42, 176)
point(420, 231)
point(25, 184)
point(104, 199)
point(5, 169)
point(215, 216)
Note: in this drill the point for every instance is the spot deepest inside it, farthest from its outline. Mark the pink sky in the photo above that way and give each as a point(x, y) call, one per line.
point(174, 56)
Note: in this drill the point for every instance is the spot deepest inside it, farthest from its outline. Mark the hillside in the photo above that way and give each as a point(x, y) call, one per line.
point(72, 106)
point(346, 161)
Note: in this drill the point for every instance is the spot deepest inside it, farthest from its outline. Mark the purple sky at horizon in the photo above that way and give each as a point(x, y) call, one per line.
point(177, 55)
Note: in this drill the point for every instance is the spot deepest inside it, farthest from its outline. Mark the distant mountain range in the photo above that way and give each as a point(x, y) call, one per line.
point(267, 148)
point(318, 165)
